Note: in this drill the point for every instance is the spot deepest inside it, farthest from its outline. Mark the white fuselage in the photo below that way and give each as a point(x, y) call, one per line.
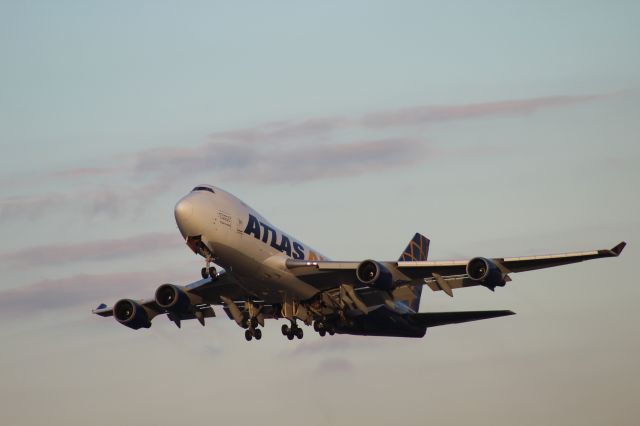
point(244, 243)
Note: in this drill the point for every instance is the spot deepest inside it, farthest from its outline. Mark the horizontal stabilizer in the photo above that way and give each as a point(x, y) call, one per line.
point(432, 319)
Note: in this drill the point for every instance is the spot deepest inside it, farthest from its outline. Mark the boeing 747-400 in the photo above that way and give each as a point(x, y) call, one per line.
point(269, 274)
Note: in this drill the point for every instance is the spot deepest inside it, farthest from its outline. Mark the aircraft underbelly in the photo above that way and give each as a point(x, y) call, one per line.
point(274, 289)
point(262, 273)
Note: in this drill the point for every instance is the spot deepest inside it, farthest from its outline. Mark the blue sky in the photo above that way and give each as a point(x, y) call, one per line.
point(495, 128)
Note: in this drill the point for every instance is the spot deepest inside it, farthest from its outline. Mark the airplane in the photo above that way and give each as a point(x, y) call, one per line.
point(268, 274)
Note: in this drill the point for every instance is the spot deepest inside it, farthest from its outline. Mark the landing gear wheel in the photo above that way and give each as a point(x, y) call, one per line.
point(290, 336)
point(248, 335)
point(322, 332)
point(332, 331)
point(299, 333)
point(316, 326)
point(257, 333)
point(285, 329)
point(213, 272)
point(204, 273)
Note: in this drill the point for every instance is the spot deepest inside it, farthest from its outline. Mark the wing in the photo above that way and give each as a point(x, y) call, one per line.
point(201, 296)
point(438, 275)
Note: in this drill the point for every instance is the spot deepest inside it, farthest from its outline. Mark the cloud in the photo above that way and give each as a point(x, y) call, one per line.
point(83, 289)
point(287, 151)
point(107, 249)
point(279, 162)
point(340, 343)
point(82, 172)
point(285, 130)
point(102, 201)
point(421, 115)
point(273, 149)
point(335, 366)
point(30, 207)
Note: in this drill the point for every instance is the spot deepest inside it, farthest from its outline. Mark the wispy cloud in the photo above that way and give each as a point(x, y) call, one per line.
point(295, 151)
point(335, 366)
point(282, 162)
point(107, 249)
point(103, 201)
point(421, 115)
point(30, 207)
point(288, 151)
point(340, 343)
point(83, 289)
point(285, 130)
point(82, 172)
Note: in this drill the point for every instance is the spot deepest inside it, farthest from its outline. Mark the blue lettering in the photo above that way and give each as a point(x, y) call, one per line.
point(253, 227)
point(285, 245)
point(268, 230)
point(268, 236)
point(298, 250)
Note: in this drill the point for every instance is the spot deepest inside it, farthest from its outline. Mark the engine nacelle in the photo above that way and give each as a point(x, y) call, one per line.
point(485, 271)
point(130, 313)
point(173, 299)
point(374, 274)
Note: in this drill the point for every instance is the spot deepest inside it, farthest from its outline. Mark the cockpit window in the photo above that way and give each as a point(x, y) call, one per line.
point(203, 188)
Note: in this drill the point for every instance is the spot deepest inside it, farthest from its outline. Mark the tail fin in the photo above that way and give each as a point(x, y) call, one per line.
point(418, 249)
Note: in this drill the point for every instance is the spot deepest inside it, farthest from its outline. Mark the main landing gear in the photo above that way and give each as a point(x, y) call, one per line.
point(323, 328)
point(250, 333)
point(293, 331)
point(252, 330)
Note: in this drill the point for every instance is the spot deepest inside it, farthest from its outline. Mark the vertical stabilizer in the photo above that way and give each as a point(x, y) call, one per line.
point(417, 249)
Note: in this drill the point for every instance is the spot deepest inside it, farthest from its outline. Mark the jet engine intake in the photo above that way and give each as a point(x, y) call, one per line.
point(485, 272)
point(173, 299)
point(374, 274)
point(132, 314)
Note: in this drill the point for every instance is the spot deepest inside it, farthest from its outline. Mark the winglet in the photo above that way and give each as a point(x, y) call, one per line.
point(618, 249)
point(103, 310)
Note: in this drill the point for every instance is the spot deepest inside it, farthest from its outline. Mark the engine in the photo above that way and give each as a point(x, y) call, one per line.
point(485, 272)
point(132, 314)
point(374, 274)
point(173, 299)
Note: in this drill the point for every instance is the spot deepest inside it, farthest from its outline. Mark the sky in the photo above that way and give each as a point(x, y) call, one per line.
point(496, 128)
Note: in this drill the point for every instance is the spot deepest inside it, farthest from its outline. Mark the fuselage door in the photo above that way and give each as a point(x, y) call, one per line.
point(240, 225)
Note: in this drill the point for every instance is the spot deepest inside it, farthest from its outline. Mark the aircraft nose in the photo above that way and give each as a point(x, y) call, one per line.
point(183, 213)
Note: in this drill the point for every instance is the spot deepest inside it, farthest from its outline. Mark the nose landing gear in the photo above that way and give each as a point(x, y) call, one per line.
point(209, 271)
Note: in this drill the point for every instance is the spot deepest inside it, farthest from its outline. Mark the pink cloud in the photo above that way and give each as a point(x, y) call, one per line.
point(108, 249)
point(281, 162)
point(431, 114)
point(82, 172)
point(83, 289)
point(335, 366)
point(277, 152)
point(282, 131)
point(340, 343)
point(30, 207)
